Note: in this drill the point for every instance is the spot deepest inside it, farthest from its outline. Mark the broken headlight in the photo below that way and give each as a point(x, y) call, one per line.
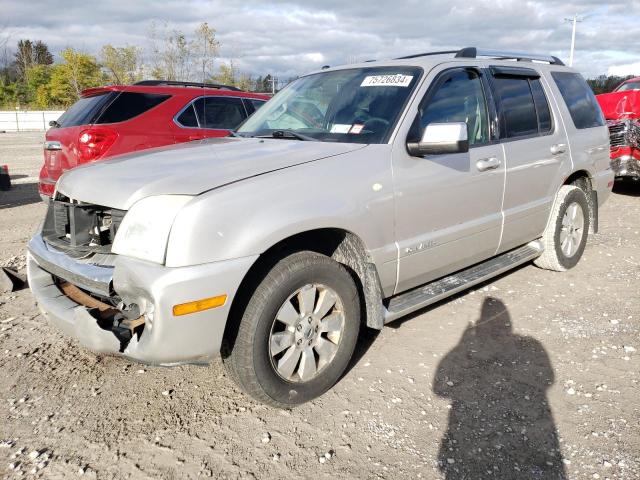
point(144, 231)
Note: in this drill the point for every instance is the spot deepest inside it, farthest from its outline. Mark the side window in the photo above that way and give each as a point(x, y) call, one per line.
point(256, 103)
point(580, 100)
point(220, 112)
point(188, 117)
point(518, 109)
point(248, 106)
point(130, 104)
point(459, 98)
point(542, 106)
point(252, 104)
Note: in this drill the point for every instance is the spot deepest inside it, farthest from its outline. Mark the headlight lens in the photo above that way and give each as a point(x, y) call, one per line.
point(144, 231)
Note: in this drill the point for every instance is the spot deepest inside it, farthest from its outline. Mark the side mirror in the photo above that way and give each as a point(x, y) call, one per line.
point(439, 138)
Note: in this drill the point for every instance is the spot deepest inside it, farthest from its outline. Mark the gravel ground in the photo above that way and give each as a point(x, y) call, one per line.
point(533, 375)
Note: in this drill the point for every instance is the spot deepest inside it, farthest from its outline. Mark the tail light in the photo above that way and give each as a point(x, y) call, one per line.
point(93, 143)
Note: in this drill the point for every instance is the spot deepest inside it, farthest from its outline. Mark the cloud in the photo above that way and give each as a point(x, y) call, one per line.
point(289, 38)
point(624, 70)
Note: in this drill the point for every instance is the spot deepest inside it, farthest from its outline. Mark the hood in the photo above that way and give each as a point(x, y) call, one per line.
point(189, 168)
point(620, 105)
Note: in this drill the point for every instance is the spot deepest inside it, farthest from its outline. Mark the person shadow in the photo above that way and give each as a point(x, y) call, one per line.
point(500, 422)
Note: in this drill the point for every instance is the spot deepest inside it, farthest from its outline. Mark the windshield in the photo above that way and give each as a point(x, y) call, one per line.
point(628, 86)
point(359, 105)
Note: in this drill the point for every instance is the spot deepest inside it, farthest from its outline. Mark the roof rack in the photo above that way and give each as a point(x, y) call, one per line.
point(416, 55)
point(473, 52)
point(175, 83)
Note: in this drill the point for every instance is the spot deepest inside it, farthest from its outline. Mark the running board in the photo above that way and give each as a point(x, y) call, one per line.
point(435, 291)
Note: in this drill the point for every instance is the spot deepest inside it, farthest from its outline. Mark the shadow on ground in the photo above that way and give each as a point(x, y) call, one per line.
point(19, 195)
point(630, 188)
point(500, 423)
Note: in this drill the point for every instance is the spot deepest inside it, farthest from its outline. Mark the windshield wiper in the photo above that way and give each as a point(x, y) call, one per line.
point(289, 134)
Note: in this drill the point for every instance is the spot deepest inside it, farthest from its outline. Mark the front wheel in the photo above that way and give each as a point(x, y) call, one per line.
point(298, 331)
point(566, 235)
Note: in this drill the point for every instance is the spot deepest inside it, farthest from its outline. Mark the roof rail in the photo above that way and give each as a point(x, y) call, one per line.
point(416, 55)
point(473, 52)
point(175, 83)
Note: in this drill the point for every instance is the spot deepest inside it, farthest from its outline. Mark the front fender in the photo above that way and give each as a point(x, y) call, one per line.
point(353, 192)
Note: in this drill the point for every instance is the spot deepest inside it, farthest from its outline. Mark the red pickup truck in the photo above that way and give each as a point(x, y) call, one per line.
point(621, 108)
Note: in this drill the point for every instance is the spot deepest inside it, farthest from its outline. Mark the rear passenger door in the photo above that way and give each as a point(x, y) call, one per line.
point(209, 117)
point(535, 147)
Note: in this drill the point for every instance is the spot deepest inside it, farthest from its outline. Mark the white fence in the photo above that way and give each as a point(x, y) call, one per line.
point(24, 121)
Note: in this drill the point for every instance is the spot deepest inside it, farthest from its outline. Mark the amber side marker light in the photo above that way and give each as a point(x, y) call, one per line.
point(199, 305)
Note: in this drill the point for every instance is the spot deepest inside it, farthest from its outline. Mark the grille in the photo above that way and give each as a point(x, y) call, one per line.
point(617, 134)
point(80, 228)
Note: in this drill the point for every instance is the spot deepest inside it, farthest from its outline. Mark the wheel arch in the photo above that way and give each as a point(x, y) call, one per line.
point(584, 180)
point(339, 244)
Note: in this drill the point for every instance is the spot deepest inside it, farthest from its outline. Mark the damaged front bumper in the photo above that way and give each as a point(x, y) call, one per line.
point(627, 165)
point(149, 289)
point(625, 147)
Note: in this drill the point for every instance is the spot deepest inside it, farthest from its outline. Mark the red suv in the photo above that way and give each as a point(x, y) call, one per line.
point(118, 119)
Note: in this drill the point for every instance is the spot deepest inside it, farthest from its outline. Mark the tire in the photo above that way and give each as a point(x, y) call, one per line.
point(559, 255)
point(255, 360)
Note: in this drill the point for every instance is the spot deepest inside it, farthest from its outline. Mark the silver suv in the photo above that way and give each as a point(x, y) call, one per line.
point(355, 196)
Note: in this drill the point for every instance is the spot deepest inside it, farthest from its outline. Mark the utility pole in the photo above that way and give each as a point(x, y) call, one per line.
point(273, 84)
point(573, 20)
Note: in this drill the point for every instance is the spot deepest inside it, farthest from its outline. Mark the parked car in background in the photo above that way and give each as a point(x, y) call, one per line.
point(621, 109)
point(118, 119)
point(357, 195)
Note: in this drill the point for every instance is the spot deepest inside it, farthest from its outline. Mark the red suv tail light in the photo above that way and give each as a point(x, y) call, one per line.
point(94, 142)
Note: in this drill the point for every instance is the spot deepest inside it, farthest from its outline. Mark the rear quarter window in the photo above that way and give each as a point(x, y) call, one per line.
point(129, 105)
point(580, 100)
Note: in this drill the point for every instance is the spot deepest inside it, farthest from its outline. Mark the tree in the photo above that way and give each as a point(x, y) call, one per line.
point(229, 74)
point(605, 83)
point(122, 63)
point(37, 85)
point(29, 54)
point(226, 74)
point(205, 47)
point(77, 72)
point(257, 86)
point(41, 54)
point(268, 84)
point(169, 53)
point(176, 57)
point(24, 57)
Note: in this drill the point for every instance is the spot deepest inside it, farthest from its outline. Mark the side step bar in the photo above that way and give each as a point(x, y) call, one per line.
point(435, 291)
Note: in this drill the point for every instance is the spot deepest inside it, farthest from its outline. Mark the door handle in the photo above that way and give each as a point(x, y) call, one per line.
point(558, 148)
point(487, 164)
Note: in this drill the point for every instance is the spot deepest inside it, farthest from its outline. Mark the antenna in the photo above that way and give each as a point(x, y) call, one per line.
point(573, 20)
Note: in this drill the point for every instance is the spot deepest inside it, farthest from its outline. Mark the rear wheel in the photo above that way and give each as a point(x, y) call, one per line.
point(566, 235)
point(298, 331)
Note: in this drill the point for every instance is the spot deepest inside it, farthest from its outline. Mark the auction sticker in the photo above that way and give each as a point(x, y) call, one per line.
point(395, 80)
point(340, 128)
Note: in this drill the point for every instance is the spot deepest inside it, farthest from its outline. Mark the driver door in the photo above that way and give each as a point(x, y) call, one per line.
point(448, 206)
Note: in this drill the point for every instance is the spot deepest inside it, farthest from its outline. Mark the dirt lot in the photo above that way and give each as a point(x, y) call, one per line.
point(534, 375)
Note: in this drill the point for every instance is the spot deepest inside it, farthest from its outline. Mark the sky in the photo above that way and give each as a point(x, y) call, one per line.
point(291, 38)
